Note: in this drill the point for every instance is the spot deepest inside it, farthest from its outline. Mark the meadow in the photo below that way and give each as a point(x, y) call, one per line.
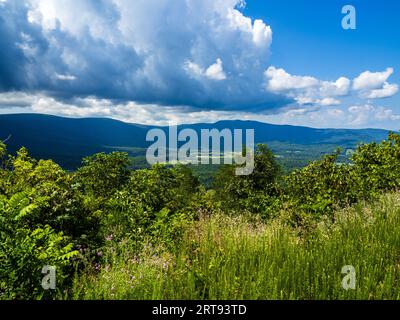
point(222, 257)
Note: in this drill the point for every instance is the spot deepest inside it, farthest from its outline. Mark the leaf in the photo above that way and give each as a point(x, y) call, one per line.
point(26, 211)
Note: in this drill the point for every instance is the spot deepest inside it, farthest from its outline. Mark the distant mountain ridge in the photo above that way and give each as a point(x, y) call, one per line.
point(68, 140)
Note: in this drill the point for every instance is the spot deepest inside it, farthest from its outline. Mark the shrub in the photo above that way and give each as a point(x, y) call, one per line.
point(378, 165)
point(152, 205)
point(257, 193)
point(322, 186)
point(103, 174)
point(24, 251)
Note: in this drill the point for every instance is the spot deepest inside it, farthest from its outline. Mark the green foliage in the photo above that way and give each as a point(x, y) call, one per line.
point(25, 251)
point(2, 149)
point(158, 233)
point(257, 193)
point(3, 172)
point(56, 196)
point(154, 199)
point(103, 174)
point(378, 165)
point(322, 186)
point(326, 184)
point(223, 258)
point(43, 221)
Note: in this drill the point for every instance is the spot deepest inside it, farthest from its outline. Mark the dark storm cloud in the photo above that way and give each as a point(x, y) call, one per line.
point(200, 54)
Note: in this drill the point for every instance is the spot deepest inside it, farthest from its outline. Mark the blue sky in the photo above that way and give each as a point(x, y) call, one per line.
point(159, 61)
point(310, 38)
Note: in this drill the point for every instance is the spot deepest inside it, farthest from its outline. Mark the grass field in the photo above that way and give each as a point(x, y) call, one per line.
point(222, 257)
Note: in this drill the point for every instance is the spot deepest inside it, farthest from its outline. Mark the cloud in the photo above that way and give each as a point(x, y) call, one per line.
point(214, 72)
point(16, 99)
point(328, 102)
point(306, 89)
point(150, 114)
point(371, 80)
point(65, 77)
point(361, 115)
point(145, 59)
point(138, 51)
point(261, 33)
point(355, 116)
point(388, 90)
point(309, 90)
point(374, 85)
point(279, 80)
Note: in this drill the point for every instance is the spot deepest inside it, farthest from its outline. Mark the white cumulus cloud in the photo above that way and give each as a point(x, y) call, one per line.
point(306, 89)
point(388, 90)
point(213, 72)
point(136, 50)
point(127, 59)
point(374, 85)
point(310, 90)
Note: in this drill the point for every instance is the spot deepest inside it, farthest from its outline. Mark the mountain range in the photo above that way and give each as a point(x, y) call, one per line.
point(68, 140)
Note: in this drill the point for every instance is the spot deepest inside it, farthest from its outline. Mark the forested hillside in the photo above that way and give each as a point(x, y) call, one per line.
point(67, 140)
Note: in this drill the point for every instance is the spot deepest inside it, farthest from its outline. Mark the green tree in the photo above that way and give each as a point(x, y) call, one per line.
point(322, 186)
point(58, 200)
point(257, 192)
point(378, 165)
point(160, 196)
point(103, 174)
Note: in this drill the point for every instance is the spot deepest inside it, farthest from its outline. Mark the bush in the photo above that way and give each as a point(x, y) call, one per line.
point(377, 165)
point(322, 186)
point(103, 174)
point(153, 204)
point(24, 251)
point(257, 193)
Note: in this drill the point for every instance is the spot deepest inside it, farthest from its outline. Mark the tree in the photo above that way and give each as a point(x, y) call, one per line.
point(258, 192)
point(103, 174)
point(322, 185)
point(378, 165)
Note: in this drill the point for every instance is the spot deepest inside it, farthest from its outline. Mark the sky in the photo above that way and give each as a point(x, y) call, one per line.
point(187, 61)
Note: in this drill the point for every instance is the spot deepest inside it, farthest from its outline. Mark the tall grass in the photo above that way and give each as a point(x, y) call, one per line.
point(223, 257)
